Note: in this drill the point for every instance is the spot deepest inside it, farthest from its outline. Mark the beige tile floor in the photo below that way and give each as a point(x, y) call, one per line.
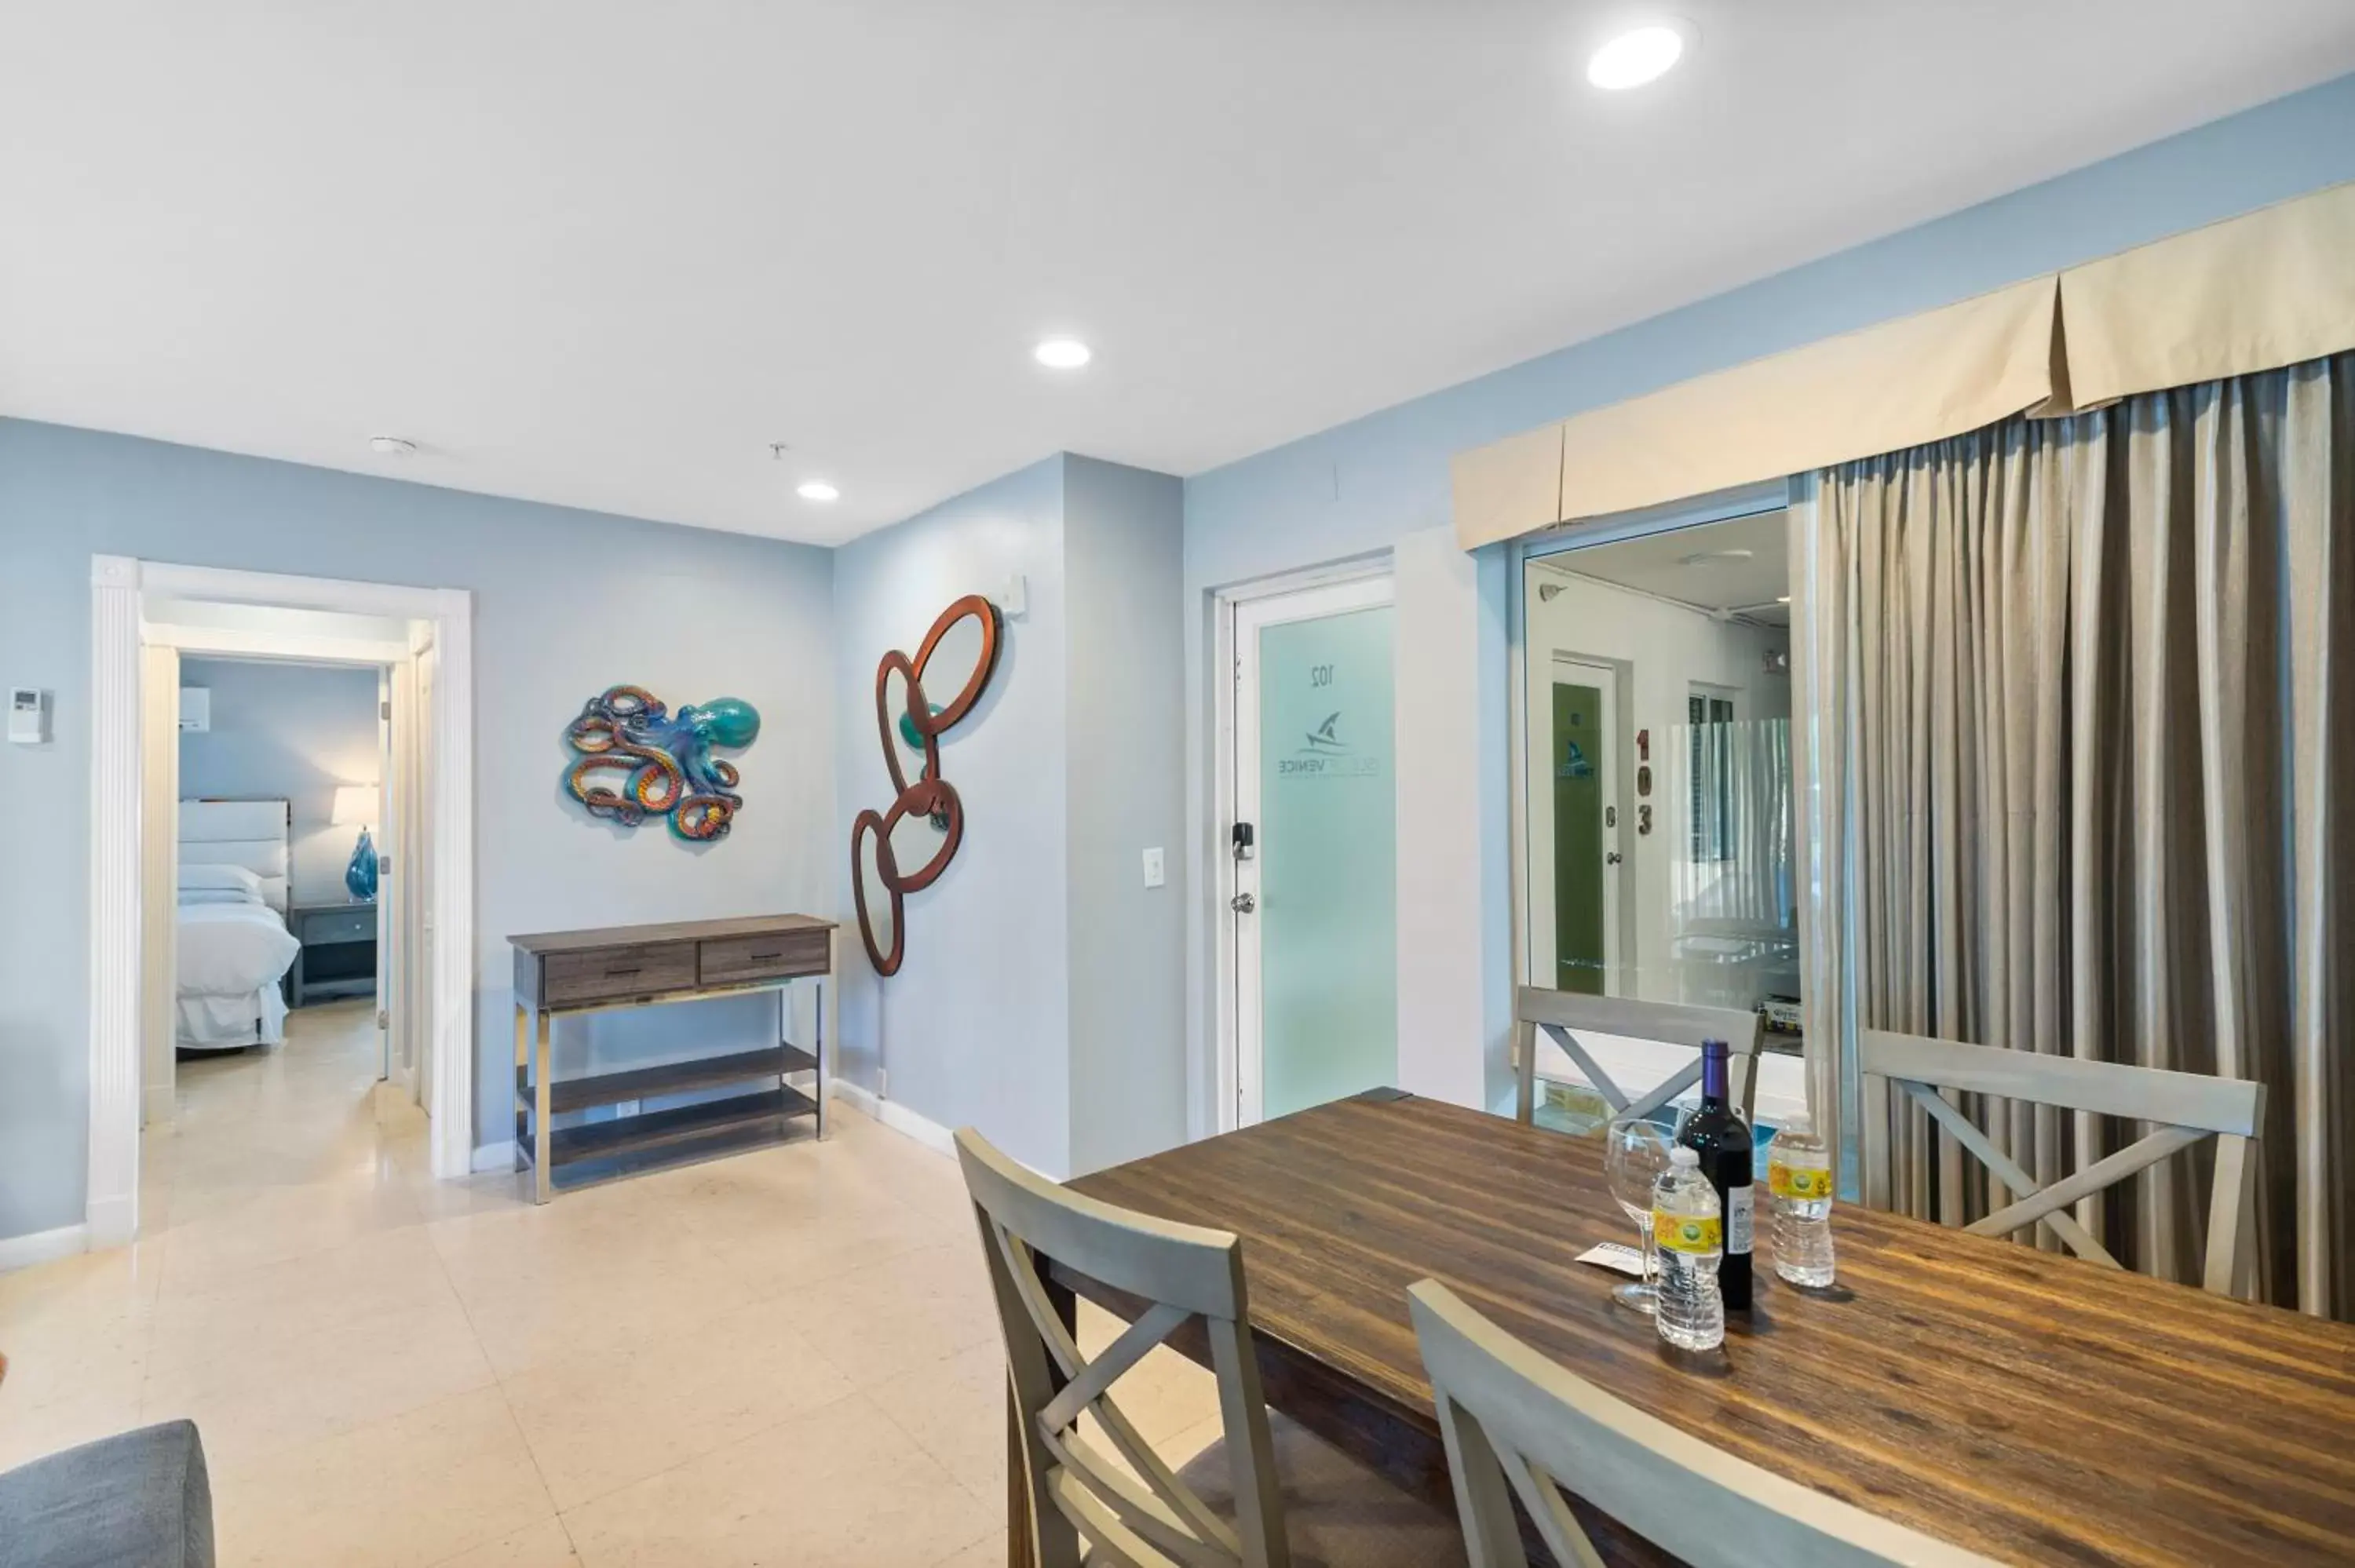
point(783, 1357)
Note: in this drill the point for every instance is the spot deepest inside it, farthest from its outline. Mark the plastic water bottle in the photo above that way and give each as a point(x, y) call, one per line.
point(1799, 1175)
point(1688, 1229)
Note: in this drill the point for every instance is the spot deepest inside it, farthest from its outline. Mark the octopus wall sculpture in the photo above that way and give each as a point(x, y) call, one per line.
point(663, 760)
point(926, 817)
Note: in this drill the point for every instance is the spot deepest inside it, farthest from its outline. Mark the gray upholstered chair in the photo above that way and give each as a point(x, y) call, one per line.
point(140, 1500)
point(1267, 1496)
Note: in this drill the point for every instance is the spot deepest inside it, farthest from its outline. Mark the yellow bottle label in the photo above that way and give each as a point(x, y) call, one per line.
point(1688, 1233)
point(1800, 1183)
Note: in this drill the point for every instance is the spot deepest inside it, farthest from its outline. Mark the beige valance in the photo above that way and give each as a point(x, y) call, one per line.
point(2249, 294)
point(2257, 294)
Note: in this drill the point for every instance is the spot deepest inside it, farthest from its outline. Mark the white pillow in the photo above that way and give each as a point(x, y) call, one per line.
point(222, 878)
point(218, 896)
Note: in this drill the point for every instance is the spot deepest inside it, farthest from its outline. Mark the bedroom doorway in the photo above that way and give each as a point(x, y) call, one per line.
point(285, 827)
point(238, 911)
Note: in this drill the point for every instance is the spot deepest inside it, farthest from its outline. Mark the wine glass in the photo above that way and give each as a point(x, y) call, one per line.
point(1635, 1156)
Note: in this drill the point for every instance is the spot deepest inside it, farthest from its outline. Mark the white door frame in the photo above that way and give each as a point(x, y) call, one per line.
point(120, 587)
point(1240, 613)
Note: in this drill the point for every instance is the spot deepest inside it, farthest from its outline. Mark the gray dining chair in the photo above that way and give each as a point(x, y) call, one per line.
point(2185, 1108)
point(1559, 1015)
point(1519, 1426)
point(1268, 1495)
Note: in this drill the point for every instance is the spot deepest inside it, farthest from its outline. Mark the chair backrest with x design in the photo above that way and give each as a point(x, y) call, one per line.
point(1080, 1498)
point(1559, 1015)
point(2184, 1107)
point(1517, 1424)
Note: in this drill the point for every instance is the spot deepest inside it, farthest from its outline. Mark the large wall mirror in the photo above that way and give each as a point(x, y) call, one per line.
point(1660, 859)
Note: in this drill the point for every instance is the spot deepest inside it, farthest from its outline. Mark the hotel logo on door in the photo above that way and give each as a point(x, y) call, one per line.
point(1325, 751)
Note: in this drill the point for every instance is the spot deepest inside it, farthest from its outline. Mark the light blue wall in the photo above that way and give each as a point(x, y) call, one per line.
point(1041, 997)
point(290, 731)
point(1124, 550)
point(565, 603)
point(1361, 487)
point(974, 1028)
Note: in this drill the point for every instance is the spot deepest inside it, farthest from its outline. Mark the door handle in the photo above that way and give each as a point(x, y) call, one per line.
point(1611, 859)
point(1243, 903)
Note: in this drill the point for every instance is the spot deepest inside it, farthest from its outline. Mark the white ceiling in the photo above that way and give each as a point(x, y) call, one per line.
point(602, 252)
point(1742, 564)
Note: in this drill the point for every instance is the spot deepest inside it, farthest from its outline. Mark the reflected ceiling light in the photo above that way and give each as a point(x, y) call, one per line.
point(1063, 353)
point(1717, 557)
point(392, 447)
point(1784, 599)
point(817, 490)
point(1636, 56)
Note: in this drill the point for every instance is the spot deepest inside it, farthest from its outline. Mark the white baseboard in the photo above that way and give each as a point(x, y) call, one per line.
point(896, 1116)
point(111, 1222)
point(493, 1157)
point(23, 1252)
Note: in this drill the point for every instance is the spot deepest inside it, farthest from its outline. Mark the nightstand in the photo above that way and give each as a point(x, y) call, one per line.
point(338, 952)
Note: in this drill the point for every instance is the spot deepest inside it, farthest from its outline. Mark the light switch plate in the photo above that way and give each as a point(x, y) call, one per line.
point(1154, 870)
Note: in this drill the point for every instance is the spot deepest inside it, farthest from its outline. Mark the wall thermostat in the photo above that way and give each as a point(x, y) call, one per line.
point(28, 716)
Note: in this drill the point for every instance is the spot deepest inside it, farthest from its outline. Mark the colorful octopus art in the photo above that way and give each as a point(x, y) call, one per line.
point(665, 758)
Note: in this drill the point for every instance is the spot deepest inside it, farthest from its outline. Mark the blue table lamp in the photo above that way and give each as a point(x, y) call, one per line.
point(357, 803)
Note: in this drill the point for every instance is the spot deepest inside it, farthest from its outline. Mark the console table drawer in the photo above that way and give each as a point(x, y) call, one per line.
point(612, 973)
point(780, 955)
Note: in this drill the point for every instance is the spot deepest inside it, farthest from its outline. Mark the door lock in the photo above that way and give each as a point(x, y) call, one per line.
point(1611, 859)
point(1243, 903)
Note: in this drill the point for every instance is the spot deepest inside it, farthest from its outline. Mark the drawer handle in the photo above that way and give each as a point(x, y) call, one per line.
point(766, 957)
point(616, 973)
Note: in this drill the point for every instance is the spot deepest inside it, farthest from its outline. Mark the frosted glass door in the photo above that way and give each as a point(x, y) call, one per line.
point(1328, 874)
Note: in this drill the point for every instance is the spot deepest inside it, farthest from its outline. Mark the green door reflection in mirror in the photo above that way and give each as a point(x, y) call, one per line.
point(1579, 759)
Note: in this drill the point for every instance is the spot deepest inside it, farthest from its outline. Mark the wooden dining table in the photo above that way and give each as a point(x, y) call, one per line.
point(2028, 1405)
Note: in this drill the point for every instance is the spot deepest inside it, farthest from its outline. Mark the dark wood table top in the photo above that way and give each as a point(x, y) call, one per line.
point(2028, 1405)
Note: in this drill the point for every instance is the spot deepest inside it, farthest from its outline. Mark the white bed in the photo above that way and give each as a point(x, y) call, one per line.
point(233, 946)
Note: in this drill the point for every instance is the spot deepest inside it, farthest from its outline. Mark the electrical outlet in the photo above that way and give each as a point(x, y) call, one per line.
point(1156, 871)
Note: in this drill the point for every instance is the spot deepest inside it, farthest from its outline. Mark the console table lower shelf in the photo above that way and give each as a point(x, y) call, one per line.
point(567, 974)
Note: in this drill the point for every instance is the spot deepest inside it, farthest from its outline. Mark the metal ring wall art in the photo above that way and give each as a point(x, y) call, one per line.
point(920, 724)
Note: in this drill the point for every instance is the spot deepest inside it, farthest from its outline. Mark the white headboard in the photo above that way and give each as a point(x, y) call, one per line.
point(251, 833)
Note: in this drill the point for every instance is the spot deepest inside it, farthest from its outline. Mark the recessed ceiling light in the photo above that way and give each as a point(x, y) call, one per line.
point(1063, 353)
point(817, 490)
point(1636, 56)
point(392, 446)
point(1786, 598)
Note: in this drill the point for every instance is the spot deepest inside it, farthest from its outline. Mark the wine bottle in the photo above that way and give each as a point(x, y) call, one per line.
point(1718, 1134)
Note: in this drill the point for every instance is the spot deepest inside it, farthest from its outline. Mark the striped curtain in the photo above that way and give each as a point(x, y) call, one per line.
point(2084, 712)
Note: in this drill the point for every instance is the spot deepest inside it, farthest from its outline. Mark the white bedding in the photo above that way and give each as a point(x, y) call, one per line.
point(232, 1023)
point(232, 949)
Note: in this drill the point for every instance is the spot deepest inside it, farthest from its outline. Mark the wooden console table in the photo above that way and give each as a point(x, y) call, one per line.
point(567, 973)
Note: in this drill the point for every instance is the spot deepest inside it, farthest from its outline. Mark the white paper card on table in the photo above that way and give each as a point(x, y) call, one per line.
point(1615, 1255)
